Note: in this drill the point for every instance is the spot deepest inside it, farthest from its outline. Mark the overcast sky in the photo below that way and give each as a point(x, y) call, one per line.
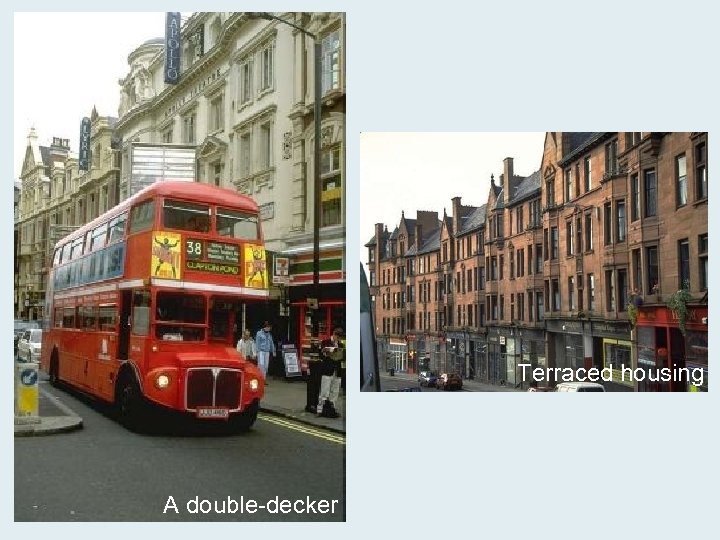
point(424, 171)
point(66, 63)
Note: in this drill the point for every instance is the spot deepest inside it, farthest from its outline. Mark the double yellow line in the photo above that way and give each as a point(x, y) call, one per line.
point(303, 428)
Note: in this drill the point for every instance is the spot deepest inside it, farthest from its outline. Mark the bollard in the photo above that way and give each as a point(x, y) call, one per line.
point(26, 393)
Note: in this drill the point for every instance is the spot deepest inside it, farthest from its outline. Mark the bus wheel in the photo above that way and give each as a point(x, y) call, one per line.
point(242, 422)
point(129, 403)
point(54, 369)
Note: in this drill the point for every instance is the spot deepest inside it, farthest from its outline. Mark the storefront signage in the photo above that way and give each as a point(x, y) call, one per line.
point(603, 329)
point(84, 157)
point(172, 47)
point(564, 326)
point(215, 268)
point(267, 211)
point(223, 252)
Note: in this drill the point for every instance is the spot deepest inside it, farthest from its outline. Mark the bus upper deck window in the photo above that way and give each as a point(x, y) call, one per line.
point(237, 224)
point(186, 216)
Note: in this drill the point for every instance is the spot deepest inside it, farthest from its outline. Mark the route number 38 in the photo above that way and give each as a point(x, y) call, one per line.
point(193, 248)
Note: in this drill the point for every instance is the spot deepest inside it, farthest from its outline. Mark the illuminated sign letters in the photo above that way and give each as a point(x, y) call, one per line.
point(172, 47)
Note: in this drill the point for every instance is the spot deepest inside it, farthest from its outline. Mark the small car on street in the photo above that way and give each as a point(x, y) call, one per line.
point(427, 378)
point(20, 327)
point(449, 381)
point(579, 387)
point(29, 346)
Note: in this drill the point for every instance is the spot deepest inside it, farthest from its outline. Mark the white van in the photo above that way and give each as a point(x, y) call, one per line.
point(579, 387)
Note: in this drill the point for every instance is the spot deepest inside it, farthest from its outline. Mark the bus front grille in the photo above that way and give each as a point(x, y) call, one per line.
point(213, 387)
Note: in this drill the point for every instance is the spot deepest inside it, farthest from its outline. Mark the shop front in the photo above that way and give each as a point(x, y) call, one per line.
point(567, 344)
point(668, 360)
point(612, 348)
point(532, 351)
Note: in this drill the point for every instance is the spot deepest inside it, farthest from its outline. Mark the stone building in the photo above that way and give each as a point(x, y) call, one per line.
point(598, 259)
point(55, 198)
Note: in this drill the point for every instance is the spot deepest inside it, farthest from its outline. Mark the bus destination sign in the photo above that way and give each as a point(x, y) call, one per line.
point(223, 252)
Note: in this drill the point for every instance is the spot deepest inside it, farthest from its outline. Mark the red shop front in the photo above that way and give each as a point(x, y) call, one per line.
point(331, 314)
point(664, 352)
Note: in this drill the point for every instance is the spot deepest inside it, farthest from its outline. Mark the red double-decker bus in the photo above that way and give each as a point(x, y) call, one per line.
point(143, 303)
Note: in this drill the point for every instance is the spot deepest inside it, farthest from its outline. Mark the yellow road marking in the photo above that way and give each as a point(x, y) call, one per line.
point(328, 436)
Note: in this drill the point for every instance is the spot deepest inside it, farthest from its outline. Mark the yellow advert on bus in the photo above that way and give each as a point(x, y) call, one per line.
point(166, 256)
point(255, 267)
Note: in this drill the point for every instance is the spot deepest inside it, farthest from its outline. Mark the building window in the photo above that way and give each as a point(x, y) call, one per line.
point(631, 139)
point(265, 149)
point(554, 241)
point(246, 82)
point(538, 259)
point(635, 197)
point(512, 265)
point(216, 113)
point(546, 250)
point(680, 180)
point(652, 269)
point(167, 136)
point(650, 193)
point(218, 169)
point(330, 172)
point(621, 228)
point(519, 219)
point(571, 293)
point(637, 270)
point(550, 193)
point(555, 295)
point(189, 128)
point(591, 292)
point(569, 238)
point(588, 174)
point(684, 264)
point(611, 158)
point(502, 307)
point(501, 265)
point(580, 292)
point(520, 262)
point(245, 155)
point(331, 62)
point(703, 260)
point(609, 291)
point(622, 289)
point(568, 184)
point(608, 223)
point(578, 235)
point(701, 171)
point(493, 268)
point(535, 219)
point(266, 67)
point(539, 307)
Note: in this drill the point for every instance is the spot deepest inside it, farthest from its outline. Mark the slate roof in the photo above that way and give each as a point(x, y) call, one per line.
point(371, 242)
point(411, 251)
point(395, 233)
point(44, 155)
point(527, 187)
point(474, 220)
point(432, 243)
point(578, 142)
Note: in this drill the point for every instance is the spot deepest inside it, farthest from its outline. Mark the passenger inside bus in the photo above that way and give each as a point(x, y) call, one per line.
point(198, 223)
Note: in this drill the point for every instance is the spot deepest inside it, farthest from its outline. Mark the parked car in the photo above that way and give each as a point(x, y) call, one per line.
point(20, 327)
point(427, 378)
point(449, 381)
point(579, 387)
point(29, 345)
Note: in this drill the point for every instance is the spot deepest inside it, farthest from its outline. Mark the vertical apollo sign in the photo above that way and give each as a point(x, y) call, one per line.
point(172, 47)
point(84, 158)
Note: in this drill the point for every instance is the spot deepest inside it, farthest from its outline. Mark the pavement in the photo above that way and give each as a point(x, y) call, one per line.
point(469, 385)
point(283, 397)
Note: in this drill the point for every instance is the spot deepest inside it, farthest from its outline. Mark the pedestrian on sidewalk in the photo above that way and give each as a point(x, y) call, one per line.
point(265, 346)
point(333, 355)
point(246, 347)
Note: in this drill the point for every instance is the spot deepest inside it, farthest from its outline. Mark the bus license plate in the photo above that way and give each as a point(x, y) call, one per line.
point(212, 412)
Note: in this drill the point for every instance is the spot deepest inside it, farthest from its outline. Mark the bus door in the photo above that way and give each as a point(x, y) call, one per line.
point(124, 325)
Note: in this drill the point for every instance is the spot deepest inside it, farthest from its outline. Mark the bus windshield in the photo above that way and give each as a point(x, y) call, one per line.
point(180, 317)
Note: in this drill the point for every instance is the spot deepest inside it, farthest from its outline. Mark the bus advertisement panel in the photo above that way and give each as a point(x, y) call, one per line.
point(145, 300)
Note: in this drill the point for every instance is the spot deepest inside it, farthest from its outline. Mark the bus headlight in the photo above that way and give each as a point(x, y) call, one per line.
point(254, 384)
point(163, 381)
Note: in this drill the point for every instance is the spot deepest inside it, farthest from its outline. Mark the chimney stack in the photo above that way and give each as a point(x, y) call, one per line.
point(508, 178)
